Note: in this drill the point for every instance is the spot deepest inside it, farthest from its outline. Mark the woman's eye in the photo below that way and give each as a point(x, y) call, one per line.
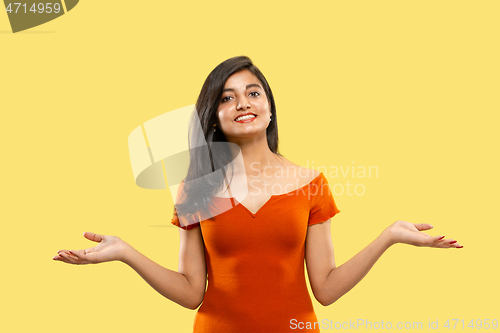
point(225, 99)
point(254, 94)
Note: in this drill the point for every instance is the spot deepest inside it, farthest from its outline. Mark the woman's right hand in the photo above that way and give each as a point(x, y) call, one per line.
point(110, 248)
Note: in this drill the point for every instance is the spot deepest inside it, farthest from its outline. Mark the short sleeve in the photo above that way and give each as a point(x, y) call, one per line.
point(182, 222)
point(323, 205)
point(183, 225)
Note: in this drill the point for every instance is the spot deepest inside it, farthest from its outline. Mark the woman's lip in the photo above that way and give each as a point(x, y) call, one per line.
point(246, 114)
point(246, 120)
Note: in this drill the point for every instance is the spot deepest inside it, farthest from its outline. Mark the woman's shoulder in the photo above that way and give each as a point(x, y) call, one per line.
point(299, 172)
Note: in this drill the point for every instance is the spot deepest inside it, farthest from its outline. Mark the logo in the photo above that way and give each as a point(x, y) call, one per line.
point(25, 15)
point(160, 153)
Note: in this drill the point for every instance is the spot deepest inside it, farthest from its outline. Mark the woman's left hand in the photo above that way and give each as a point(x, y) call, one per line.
point(411, 233)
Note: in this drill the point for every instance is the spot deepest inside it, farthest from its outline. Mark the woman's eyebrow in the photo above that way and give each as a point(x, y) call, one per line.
point(248, 86)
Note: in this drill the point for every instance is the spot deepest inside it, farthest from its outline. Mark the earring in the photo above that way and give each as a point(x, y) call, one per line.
point(215, 129)
point(270, 118)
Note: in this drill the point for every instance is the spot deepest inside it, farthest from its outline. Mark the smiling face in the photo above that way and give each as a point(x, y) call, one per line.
point(243, 94)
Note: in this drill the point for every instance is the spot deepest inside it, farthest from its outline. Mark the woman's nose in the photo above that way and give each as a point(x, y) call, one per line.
point(243, 104)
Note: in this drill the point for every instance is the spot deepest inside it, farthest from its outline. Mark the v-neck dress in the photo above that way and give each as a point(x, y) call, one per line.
point(255, 262)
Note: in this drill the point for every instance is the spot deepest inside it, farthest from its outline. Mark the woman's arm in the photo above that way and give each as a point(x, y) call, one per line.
point(186, 287)
point(329, 282)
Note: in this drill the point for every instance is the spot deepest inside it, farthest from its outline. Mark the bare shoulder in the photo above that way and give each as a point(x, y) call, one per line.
point(311, 173)
point(299, 172)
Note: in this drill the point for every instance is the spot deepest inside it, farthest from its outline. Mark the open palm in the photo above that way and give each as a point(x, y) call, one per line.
point(109, 248)
point(410, 233)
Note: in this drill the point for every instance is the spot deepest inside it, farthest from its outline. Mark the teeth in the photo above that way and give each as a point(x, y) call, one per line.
point(245, 117)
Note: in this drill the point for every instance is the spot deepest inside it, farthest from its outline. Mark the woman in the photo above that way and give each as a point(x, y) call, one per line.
point(253, 252)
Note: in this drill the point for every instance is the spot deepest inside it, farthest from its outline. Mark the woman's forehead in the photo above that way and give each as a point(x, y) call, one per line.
point(242, 78)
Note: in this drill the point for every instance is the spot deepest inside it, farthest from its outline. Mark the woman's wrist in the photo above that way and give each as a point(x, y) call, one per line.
point(125, 252)
point(387, 237)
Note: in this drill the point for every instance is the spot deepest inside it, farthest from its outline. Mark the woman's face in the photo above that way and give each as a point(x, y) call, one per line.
point(243, 94)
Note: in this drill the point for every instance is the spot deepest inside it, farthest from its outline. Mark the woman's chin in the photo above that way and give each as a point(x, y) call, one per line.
point(246, 133)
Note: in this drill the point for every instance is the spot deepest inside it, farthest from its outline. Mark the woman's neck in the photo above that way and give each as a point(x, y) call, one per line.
point(256, 155)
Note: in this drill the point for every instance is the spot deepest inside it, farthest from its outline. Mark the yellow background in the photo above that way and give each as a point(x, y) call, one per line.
point(409, 87)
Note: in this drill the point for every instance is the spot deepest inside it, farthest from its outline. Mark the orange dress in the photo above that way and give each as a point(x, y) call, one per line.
point(255, 262)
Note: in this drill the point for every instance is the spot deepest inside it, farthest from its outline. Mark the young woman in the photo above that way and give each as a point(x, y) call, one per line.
point(253, 252)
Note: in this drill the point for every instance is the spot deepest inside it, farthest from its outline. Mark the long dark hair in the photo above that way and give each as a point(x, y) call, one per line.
point(204, 183)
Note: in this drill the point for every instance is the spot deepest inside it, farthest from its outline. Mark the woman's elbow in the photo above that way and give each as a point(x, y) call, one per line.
point(191, 305)
point(327, 303)
point(196, 305)
point(195, 302)
point(323, 299)
point(191, 300)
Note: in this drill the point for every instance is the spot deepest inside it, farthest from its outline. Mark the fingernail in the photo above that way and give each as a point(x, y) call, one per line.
point(453, 242)
point(459, 247)
point(441, 238)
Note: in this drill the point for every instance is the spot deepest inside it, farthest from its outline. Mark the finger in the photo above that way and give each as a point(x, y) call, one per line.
point(437, 239)
point(455, 245)
point(71, 255)
point(80, 254)
point(84, 256)
point(423, 226)
point(64, 251)
point(448, 243)
point(60, 258)
point(69, 258)
point(93, 237)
